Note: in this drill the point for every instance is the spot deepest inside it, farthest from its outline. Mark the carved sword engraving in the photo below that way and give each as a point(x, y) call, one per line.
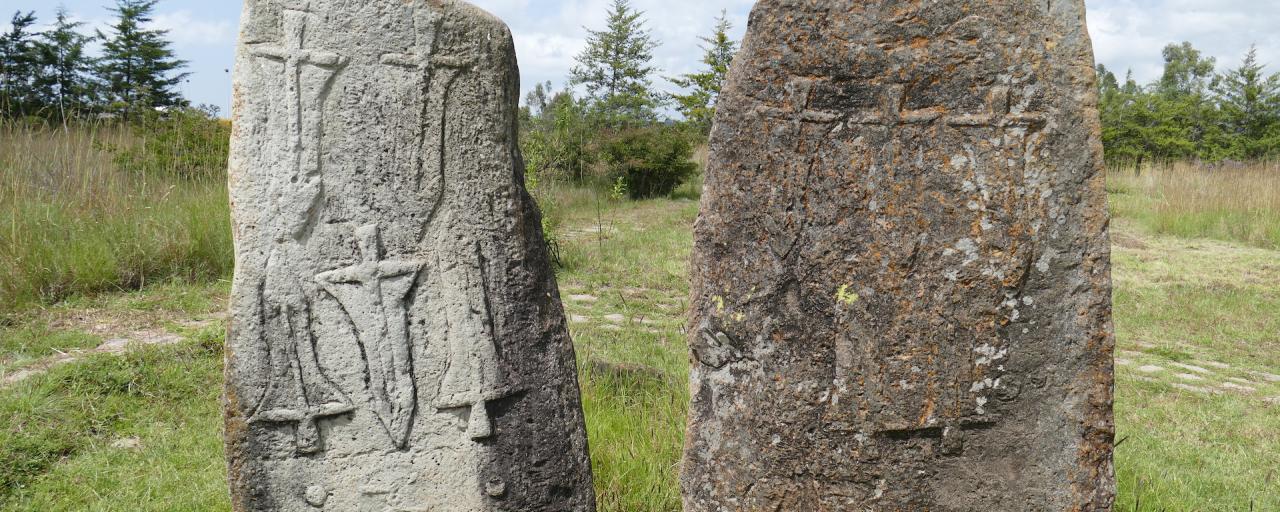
point(471, 377)
point(373, 294)
point(298, 391)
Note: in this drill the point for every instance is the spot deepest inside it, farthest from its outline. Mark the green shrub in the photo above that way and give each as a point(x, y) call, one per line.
point(556, 142)
point(648, 162)
point(186, 143)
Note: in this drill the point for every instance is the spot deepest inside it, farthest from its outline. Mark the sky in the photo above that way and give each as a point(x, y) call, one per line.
point(1127, 34)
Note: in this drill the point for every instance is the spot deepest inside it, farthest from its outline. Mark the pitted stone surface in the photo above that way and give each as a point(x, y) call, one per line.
point(901, 270)
point(397, 341)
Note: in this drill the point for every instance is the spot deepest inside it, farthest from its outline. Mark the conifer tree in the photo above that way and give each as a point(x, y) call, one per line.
point(1250, 102)
point(65, 83)
point(138, 69)
point(616, 67)
point(17, 66)
point(699, 104)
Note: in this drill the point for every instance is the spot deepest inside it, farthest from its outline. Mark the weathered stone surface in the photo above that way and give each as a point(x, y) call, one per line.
point(397, 340)
point(901, 271)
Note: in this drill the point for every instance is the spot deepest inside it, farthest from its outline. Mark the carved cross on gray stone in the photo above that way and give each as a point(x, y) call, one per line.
point(389, 262)
point(435, 86)
point(470, 380)
point(373, 294)
point(298, 391)
point(304, 132)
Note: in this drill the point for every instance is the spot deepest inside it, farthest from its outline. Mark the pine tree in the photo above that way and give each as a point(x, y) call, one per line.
point(699, 104)
point(17, 66)
point(1107, 83)
point(1251, 104)
point(1185, 102)
point(65, 81)
point(616, 67)
point(138, 69)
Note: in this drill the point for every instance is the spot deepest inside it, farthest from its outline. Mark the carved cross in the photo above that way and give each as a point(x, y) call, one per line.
point(298, 392)
point(800, 92)
point(303, 123)
point(373, 294)
point(424, 60)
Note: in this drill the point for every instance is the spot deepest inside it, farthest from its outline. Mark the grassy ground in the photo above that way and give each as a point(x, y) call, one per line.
point(73, 222)
point(1198, 327)
point(1234, 203)
point(139, 431)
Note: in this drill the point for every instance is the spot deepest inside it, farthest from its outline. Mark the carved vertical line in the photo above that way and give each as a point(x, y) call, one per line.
point(485, 302)
point(428, 73)
point(438, 102)
point(262, 330)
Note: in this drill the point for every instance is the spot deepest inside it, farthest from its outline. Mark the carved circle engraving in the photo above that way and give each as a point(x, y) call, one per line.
point(316, 496)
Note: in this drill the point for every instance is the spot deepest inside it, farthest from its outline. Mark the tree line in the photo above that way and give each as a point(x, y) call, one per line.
point(51, 74)
point(615, 130)
point(608, 122)
point(1192, 112)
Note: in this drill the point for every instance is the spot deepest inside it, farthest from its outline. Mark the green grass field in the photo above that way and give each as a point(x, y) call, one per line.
point(73, 223)
point(1197, 319)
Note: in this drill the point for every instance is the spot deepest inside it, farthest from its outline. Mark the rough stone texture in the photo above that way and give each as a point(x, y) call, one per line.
point(397, 341)
point(901, 271)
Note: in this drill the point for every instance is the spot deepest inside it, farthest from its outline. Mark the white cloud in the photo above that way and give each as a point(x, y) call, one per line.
point(549, 34)
point(185, 29)
point(1129, 34)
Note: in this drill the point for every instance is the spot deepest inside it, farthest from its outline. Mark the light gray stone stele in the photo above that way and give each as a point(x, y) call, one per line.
point(397, 340)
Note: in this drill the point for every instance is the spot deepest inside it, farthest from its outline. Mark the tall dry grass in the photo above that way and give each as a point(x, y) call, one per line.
point(72, 221)
point(1228, 202)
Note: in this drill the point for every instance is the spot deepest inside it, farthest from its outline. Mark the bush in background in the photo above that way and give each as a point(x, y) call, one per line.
point(188, 143)
point(648, 162)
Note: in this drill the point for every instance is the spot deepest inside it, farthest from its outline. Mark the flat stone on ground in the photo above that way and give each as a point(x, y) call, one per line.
point(1193, 368)
point(1195, 389)
point(1238, 387)
point(127, 443)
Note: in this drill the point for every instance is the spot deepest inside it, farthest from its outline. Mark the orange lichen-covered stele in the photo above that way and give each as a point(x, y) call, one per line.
point(901, 273)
